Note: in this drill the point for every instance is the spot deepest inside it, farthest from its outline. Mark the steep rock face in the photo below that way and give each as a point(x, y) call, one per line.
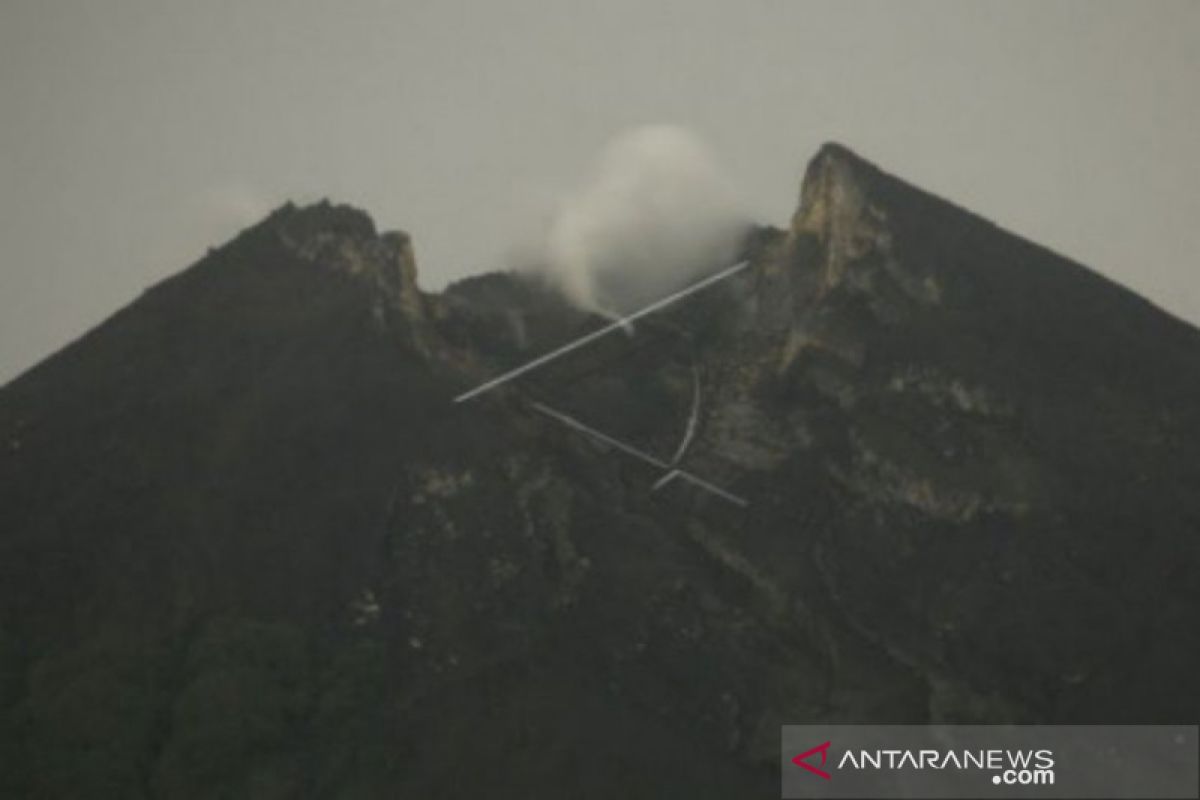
point(249, 545)
point(993, 418)
point(344, 239)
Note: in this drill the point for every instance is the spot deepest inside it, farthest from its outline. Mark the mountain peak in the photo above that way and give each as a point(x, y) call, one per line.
point(836, 152)
point(323, 217)
point(967, 465)
point(836, 206)
point(834, 188)
point(345, 238)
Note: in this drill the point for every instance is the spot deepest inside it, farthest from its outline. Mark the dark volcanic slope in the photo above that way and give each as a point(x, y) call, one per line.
point(248, 546)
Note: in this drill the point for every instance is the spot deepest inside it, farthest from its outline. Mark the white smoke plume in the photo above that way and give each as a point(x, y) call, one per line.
point(654, 213)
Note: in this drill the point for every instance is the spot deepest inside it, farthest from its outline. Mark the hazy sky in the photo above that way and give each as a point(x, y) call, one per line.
point(136, 133)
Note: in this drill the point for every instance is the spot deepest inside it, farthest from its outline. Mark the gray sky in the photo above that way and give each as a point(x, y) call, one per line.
point(136, 133)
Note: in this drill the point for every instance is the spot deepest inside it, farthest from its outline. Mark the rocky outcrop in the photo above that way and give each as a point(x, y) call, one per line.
point(344, 239)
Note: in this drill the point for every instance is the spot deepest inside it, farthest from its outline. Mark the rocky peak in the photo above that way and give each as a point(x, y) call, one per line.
point(838, 207)
point(834, 188)
point(345, 239)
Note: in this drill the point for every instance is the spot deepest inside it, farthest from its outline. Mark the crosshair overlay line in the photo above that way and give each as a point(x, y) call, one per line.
point(618, 324)
point(628, 449)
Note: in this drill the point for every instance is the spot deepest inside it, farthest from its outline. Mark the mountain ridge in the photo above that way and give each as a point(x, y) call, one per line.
point(248, 545)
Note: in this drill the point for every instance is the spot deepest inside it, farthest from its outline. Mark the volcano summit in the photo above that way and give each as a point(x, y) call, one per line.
point(250, 547)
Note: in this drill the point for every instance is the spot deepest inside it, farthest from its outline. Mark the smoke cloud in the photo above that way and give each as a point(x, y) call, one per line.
point(654, 213)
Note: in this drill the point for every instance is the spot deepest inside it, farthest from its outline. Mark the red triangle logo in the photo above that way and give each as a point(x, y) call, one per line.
point(801, 760)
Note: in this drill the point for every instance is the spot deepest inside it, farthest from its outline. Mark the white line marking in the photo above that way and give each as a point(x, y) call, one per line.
point(717, 490)
point(694, 417)
point(629, 449)
point(622, 323)
point(664, 480)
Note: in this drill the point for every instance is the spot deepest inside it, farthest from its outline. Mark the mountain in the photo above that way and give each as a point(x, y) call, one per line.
point(250, 545)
